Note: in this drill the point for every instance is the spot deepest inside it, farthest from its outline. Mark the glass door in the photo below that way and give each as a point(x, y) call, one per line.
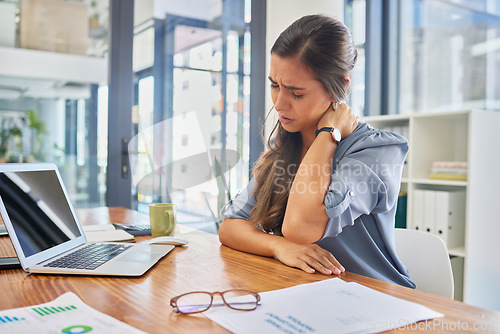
point(192, 145)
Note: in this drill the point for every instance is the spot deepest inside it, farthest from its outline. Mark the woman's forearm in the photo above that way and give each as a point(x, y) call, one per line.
point(243, 235)
point(305, 217)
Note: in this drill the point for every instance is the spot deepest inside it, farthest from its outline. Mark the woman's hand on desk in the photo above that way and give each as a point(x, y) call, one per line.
point(243, 235)
point(310, 258)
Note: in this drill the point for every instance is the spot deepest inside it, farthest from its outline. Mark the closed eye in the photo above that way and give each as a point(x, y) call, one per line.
point(275, 85)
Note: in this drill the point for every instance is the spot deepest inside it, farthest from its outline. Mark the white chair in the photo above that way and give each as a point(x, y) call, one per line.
point(427, 259)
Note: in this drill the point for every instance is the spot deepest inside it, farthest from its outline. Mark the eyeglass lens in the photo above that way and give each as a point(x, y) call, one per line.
point(201, 301)
point(194, 302)
point(240, 300)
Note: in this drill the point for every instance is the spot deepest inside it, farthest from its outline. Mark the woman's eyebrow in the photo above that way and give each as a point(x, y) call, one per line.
point(287, 87)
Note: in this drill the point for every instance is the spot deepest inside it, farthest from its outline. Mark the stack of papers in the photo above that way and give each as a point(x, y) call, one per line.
point(102, 233)
point(65, 314)
point(329, 306)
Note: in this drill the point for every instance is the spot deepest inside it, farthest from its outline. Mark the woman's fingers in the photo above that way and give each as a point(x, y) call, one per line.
point(305, 267)
point(309, 258)
point(320, 260)
point(324, 262)
point(331, 259)
point(342, 118)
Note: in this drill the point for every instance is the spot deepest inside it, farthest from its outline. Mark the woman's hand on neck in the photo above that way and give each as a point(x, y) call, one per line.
point(340, 116)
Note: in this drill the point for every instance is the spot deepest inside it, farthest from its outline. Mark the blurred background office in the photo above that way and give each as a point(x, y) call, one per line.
point(160, 100)
point(192, 61)
point(83, 82)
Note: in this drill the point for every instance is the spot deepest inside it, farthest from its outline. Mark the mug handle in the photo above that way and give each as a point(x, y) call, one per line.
point(169, 214)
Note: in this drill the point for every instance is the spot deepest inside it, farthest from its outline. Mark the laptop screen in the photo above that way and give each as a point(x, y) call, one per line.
point(38, 209)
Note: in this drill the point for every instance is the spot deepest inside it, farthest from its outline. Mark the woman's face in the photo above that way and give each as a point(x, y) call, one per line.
point(299, 99)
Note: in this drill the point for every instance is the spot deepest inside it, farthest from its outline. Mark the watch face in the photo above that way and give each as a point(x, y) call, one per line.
point(336, 135)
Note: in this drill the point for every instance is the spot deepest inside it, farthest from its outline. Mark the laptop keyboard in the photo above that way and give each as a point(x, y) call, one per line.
point(89, 257)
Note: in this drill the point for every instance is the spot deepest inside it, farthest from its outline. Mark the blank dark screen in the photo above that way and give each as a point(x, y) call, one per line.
point(38, 209)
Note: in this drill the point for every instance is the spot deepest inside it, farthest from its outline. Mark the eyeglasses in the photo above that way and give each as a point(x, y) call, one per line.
point(200, 301)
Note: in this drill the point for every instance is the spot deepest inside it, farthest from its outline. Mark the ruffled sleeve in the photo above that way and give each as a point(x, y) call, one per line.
point(365, 178)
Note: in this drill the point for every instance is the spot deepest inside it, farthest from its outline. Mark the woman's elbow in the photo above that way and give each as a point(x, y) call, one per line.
point(302, 231)
point(223, 231)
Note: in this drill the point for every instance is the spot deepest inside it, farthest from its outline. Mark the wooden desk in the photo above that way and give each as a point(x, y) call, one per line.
point(205, 265)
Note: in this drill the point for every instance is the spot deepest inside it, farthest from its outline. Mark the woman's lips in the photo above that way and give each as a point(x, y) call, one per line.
point(285, 120)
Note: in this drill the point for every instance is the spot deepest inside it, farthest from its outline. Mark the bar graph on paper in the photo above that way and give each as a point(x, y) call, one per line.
point(45, 311)
point(9, 322)
point(65, 314)
point(30, 314)
point(7, 319)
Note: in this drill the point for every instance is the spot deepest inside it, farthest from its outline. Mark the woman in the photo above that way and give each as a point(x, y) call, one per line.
point(320, 200)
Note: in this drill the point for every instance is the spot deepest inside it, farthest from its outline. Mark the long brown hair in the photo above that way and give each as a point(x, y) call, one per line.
point(325, 46)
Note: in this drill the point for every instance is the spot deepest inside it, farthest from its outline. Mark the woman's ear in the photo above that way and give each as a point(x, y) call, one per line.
point(346, 78)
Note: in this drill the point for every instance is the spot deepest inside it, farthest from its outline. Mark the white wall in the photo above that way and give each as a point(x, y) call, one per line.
point(280, 14)
point(203, 10)
point(143, 11)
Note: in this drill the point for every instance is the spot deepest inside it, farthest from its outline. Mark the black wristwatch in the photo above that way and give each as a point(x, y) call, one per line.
point(334, 131)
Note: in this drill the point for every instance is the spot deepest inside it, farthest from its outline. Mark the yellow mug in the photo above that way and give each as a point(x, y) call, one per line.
point(162, 217)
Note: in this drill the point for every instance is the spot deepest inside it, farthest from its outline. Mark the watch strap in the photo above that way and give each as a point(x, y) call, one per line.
point(324, 129)
point(334, 132)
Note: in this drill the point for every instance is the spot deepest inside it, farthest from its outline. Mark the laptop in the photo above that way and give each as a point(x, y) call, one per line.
point(47, 235)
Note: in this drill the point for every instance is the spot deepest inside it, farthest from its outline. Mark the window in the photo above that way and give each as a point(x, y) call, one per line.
point(355, 20)
point(449, 55)
point(192, 144)
point(425, 56)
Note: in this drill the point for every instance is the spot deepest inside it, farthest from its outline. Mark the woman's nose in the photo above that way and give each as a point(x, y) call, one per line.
point(281, 102)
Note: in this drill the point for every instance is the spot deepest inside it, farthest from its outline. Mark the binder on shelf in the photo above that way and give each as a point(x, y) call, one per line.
point(401, 209)
point(418, 210)
point(450, 217)
point(429, 211)
point(441, 213)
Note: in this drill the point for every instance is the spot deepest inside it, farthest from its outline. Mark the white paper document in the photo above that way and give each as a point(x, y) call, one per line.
point(102, 233)
point(65, 314)
point(328, 306)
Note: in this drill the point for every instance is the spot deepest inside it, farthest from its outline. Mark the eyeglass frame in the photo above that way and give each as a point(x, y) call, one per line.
point(173, 300)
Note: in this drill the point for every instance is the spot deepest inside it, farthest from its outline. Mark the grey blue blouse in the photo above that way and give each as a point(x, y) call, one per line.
point(360, 202)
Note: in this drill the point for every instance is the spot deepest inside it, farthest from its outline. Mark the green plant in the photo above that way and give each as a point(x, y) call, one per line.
point(6, 135)
point(39, 129)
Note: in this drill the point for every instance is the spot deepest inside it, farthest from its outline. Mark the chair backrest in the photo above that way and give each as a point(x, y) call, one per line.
point(427, 259)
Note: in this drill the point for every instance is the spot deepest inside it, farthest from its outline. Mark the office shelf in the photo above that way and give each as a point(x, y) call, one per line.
point(458, 136)
point(441, 182)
